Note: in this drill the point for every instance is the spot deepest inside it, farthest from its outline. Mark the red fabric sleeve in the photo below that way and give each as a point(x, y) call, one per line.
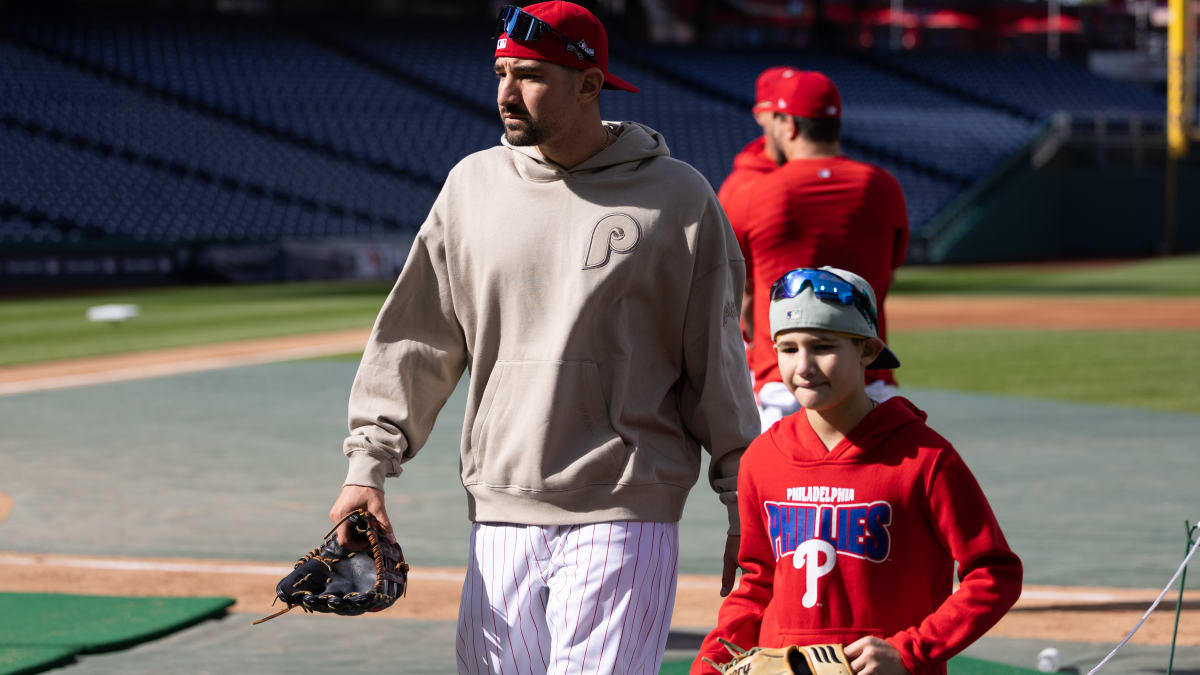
point(989, 572)
point(741, 613)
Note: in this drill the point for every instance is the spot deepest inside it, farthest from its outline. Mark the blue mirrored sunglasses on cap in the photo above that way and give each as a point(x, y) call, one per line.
point(525, 27)
point(826, 286)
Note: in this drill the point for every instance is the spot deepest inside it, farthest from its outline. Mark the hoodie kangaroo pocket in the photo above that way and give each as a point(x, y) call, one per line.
point(821, 636)
point(543, 425)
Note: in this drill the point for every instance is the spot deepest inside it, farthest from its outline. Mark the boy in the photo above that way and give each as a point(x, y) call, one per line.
point(854, 513)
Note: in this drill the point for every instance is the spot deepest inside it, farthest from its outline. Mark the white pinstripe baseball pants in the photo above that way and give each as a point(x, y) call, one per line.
point(567, 599)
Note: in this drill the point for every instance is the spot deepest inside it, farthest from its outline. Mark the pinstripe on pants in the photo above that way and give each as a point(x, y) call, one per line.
point(563, 599)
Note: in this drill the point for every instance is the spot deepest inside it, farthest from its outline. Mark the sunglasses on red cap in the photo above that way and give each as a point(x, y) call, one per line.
point(524, 27)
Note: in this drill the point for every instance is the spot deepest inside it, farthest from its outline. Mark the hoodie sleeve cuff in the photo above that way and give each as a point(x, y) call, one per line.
point(909, 660)
point(366, 470)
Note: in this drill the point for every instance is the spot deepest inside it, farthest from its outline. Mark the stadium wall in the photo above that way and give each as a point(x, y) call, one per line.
point(1073, 207)
point(61, 267)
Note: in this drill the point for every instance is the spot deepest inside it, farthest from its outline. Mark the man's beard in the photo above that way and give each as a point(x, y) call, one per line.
point(774, 149)
point(523, 131)
point(780, 156)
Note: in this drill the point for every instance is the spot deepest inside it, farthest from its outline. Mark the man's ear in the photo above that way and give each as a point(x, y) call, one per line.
point(591, 81)
point(790, 130)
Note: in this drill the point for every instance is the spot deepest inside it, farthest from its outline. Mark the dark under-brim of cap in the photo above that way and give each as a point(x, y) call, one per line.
point(613, 82)
point(885, 361)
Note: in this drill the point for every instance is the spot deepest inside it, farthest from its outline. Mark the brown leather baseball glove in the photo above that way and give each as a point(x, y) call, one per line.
point(827, 659)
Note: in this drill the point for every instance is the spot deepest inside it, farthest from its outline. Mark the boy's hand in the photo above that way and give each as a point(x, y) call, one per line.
point(873, 656)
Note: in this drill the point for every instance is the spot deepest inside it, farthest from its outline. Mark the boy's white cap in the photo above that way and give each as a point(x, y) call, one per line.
point(806, 310)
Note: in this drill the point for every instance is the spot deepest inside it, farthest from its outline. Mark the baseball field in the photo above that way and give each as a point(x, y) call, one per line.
point(194, 451)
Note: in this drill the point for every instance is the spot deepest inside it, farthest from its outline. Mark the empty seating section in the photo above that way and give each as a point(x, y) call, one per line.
point(57, 98)
point(1033, 83)
point(90, 196)
point(131, 127)
point(276, 80)
point(958, 140)
point(965, 142)
point(448, 57)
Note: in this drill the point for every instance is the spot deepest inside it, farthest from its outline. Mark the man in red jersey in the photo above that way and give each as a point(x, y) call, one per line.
point(758, 158)
point(819, 208)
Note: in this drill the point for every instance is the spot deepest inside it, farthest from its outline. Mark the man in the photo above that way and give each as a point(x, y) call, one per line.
point(759, 156)
point(590, 284)
point(757, 159)
point(819, 208)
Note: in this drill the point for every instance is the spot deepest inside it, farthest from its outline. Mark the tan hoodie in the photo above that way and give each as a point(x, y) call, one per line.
point(597, 310)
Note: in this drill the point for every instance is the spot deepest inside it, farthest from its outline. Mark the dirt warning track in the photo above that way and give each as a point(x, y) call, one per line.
point(1042, 313)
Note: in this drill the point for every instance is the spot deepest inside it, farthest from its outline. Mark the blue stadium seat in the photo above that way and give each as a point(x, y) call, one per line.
point(127, 127)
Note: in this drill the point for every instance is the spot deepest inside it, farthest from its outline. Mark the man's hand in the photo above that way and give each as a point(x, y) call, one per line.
point(873, 656)
point(355, 497)
point(729, 572)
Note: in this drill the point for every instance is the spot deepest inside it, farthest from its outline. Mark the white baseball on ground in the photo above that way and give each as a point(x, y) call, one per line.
point(1047, 660)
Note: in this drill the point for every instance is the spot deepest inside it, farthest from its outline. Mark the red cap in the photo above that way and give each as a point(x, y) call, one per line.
point(578, 25)
point(767, 85)
point(807, 93)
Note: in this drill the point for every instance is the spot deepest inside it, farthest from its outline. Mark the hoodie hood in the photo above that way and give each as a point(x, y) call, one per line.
point(635, 144)
point(795, 438)
point(754, 158)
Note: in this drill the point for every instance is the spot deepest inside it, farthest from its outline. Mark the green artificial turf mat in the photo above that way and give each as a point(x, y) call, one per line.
point(89, 623)
point(675, 668)
point(965, 665)
point(21, 659)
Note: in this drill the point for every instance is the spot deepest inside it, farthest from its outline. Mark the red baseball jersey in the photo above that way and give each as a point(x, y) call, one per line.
point(815, 212)
point(751, 163)
point(862, 540)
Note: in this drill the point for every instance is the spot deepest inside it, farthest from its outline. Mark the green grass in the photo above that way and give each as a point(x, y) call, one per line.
point(55, 328)
point(1159, 370)
point(1176, 276)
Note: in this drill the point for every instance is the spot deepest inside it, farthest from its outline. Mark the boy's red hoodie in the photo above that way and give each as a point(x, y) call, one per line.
point(862, 540)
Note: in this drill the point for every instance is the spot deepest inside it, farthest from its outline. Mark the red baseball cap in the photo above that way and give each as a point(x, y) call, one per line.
point(767, 85)
point(807, 93)
point(577, 25)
